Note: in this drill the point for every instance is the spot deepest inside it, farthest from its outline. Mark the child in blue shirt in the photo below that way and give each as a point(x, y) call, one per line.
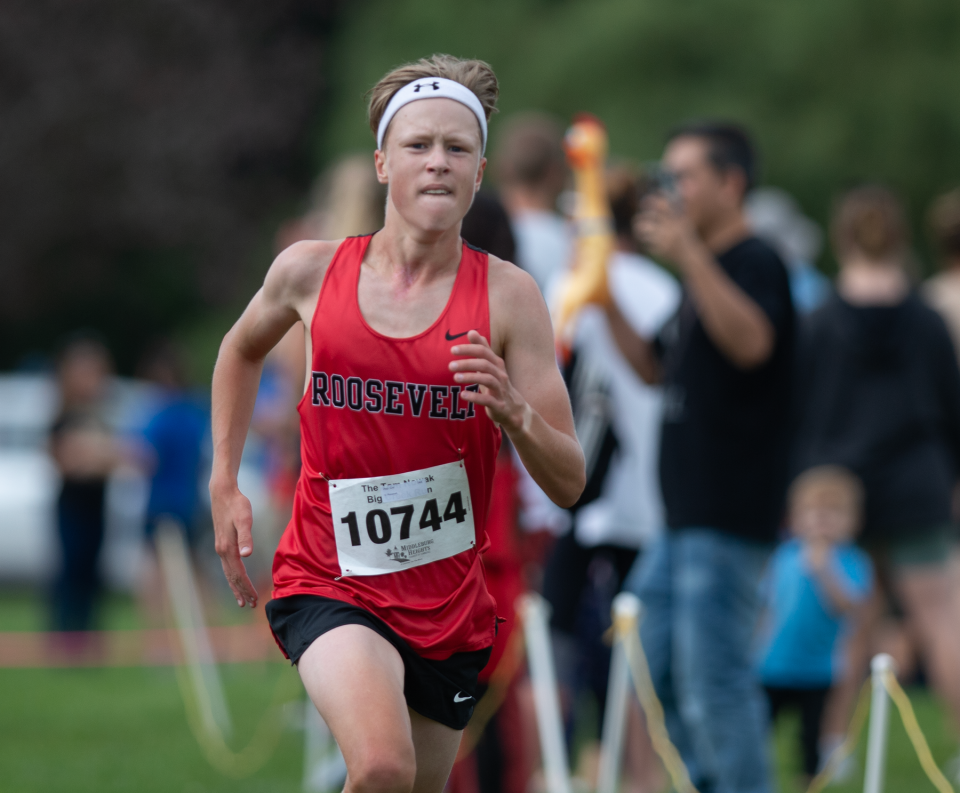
point(815, 586)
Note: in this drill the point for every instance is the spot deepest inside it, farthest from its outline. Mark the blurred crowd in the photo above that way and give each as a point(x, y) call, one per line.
point(772, 457)
point(165, 442)
point(772, 454)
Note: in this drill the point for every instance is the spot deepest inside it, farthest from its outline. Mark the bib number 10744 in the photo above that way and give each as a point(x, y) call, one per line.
point(386, 524)
point(379, 527)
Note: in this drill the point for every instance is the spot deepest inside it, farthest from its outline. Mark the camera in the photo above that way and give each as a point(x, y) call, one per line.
point(660, 180)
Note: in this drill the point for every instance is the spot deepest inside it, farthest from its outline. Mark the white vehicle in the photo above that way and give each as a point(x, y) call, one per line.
point(30, 483)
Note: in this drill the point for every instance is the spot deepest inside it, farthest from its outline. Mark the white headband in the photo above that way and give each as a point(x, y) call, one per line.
point(433, 88)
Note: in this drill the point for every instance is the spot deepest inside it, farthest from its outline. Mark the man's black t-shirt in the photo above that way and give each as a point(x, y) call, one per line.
point(725, 443)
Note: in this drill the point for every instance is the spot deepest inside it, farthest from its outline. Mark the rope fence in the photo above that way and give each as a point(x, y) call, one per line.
point(198, 678)
point(629, 668)
point(909, 719)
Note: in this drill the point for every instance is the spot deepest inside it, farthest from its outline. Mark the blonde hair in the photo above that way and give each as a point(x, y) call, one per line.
point(834, 479)
point(476, 75)
point(346, 200)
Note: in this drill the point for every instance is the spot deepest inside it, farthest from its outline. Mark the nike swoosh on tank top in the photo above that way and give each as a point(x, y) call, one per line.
point(376, 407)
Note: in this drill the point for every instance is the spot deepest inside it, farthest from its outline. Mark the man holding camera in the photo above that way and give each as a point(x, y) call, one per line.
point(725, 362)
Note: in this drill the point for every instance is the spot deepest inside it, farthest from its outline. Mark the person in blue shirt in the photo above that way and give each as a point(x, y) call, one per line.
point(175, 436)
point(174, 440)
point(817, 582)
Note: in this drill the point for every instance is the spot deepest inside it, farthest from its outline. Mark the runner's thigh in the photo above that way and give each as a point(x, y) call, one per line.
point(355, 678)
point(436, 746)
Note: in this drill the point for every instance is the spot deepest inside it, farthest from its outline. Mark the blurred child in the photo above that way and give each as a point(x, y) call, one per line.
point(816, 584)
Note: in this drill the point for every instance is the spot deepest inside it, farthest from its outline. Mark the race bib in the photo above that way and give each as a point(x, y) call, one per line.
point(384, 524)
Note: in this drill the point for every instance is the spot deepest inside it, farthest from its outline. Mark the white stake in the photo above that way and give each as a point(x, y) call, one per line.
point(879, 712)
point(534, 610)
point(192, 629)
point(625, 606)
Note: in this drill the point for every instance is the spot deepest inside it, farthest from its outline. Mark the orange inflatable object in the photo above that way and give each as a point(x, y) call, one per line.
point(586, 147)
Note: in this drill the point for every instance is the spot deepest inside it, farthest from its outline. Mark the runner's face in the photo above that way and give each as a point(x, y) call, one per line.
point(432, 162)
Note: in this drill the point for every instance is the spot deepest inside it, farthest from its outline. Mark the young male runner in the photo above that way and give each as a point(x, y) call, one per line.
point(420, 349)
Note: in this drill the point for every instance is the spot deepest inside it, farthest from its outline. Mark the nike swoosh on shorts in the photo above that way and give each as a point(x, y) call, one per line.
point(458, 698)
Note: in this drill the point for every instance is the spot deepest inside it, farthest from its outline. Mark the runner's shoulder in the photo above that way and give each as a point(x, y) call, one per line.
point(517, 309)
point(299, 268)
point(511, 285)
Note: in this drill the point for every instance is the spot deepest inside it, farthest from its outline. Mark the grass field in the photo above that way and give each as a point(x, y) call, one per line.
point(105, 730)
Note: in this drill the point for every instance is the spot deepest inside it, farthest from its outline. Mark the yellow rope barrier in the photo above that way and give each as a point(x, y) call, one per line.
point(507, 668)
point(920, 746)
point(625, 629)
point(261, 747)
point(187, 617)
point(821, 780)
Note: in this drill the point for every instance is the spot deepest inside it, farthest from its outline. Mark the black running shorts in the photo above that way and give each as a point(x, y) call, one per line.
point(445, 691)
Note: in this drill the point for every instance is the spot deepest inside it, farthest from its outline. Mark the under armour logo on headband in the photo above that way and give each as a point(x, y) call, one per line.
point(442, 88)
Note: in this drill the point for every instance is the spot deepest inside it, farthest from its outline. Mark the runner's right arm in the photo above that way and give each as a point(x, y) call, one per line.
point(520, 385)
point(285, 297)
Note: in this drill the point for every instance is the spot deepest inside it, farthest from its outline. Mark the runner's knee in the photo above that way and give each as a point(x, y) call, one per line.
point(384, 771)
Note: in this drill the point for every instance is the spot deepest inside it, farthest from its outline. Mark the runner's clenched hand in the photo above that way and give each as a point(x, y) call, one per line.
point(232, 527)
point(481, 365)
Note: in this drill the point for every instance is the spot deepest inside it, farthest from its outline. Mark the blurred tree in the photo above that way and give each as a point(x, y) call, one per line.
point(145, 149)
point(835, 90)
point(148, 149)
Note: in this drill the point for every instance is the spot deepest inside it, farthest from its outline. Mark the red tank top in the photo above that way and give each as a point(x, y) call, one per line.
point(380, 406)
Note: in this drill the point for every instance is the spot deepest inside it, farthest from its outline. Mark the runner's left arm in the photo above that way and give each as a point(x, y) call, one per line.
point(520, 384)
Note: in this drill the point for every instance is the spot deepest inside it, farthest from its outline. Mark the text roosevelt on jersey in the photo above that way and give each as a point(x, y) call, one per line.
point(390, 397)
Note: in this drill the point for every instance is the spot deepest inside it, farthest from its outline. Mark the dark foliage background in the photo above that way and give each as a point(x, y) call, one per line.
point(146, 150)
point(149, 149)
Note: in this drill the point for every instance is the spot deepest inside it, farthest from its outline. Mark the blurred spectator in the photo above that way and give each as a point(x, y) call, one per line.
point(85, 453)
point(880, 394)
point(531, 171)
point(174, 437)
point(725, 360)
point(276, 422)
point(815, 588)
point(617, 418)
point(943, 290)
point(777, 219)
point(487, 226)
point(345, 200)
